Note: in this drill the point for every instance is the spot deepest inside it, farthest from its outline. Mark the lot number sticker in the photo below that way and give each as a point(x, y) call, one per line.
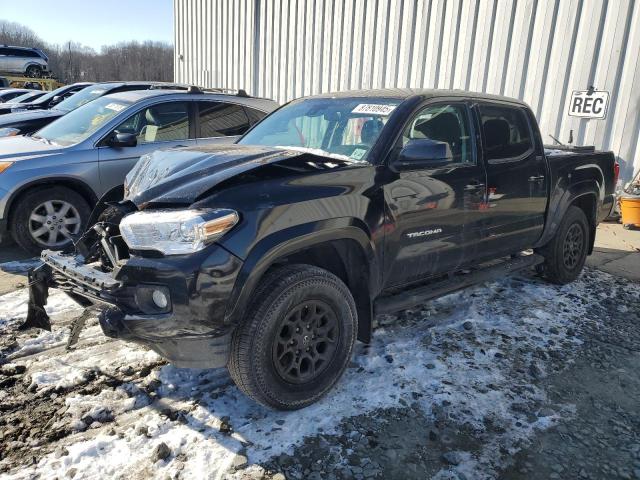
point(589, 105)
point(115, 107)
point(373, 109)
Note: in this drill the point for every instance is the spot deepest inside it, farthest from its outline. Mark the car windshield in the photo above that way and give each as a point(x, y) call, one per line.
point(337, 127)
point(83, 96)
point(78, 125)
point(25, 98)
point(50, 95)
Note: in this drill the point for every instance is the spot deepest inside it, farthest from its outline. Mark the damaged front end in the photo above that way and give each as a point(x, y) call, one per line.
point(174, 305)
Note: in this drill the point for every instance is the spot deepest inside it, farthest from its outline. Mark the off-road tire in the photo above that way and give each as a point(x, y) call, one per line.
point(563, 263)
point(25, 205)
point(34, 71)
point(252, 363)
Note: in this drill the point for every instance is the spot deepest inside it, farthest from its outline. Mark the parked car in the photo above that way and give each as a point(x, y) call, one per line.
point(4, 82)
point(24, 123)
point(272, 256)
point(55, 176)
point(30, 96)
point(31, 62)
point(46, 101)
point(11, 93)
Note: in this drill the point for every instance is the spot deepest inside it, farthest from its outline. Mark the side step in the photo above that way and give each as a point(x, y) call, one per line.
point(410, 298)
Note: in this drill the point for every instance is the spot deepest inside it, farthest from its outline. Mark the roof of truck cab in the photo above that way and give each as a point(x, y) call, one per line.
point(134, 96)
point(405, 93)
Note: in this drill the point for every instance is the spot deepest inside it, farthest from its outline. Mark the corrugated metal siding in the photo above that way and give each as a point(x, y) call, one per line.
point(535, 50)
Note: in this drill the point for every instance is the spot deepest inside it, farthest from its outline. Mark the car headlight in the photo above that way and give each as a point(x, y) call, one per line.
point(4, 166)
point(176, 232)
point(9, 132)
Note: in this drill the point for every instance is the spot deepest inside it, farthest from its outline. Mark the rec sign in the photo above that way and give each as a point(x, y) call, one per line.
point(589, 104)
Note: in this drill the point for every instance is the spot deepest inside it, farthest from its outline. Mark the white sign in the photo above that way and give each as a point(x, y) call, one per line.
point(373, 109)
point(589, 105)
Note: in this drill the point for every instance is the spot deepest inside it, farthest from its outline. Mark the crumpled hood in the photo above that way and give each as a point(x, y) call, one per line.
point(16, 117)
point(181, 175)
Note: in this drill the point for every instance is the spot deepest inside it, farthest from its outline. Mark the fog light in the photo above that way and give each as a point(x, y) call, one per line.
point(160, 299)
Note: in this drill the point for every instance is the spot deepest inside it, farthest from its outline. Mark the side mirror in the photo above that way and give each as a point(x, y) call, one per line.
point(120, 140)
point(422, 153)
point(56, 99)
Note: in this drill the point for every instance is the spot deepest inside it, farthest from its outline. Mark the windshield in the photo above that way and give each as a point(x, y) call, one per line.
point(50, 95)
point(78, 125)
point(83, 96)
point(26, 97)
point(340, 127)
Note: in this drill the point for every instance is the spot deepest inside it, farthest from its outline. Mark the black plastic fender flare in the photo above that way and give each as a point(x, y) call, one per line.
point(558, 207)
point(290, 240)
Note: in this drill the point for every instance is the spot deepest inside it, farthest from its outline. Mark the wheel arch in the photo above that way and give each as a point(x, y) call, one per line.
point(346, 251)
point(74, 184)
point(584, 195)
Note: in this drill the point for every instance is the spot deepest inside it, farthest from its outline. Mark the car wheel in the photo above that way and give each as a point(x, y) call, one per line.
point(48, 218)
point(566, 253)
point(34, 71)
point(297, 339)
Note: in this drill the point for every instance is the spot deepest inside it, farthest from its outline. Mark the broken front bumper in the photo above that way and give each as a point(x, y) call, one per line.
point(189, 330)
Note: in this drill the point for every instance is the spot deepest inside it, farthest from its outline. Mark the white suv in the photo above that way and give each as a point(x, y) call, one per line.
point(31, 62)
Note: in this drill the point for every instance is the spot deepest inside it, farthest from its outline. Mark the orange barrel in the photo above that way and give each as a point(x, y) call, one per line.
point(630, 209)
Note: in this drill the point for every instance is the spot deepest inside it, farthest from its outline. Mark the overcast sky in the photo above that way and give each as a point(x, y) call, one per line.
point(93, 23)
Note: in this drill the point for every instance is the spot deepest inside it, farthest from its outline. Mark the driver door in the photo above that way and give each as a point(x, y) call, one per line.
point(158, 126)
point(433, 209)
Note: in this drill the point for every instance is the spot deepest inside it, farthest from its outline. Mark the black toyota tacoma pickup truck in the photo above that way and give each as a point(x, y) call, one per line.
point(273, 255)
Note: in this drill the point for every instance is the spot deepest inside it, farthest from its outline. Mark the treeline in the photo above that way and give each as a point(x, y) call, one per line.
point(73, 62)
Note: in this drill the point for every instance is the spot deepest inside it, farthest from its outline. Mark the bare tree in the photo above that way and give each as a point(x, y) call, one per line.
point(74, 62)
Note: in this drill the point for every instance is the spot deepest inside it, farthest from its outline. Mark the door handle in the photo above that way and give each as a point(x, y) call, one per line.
point(536, 178)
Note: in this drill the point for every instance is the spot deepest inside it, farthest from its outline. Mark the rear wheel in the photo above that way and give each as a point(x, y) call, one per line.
point(48, 218)
point(567, 251)
point(34, 71)
point(297, 339)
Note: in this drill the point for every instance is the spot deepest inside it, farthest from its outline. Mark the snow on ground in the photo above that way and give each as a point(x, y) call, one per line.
point(449, 352)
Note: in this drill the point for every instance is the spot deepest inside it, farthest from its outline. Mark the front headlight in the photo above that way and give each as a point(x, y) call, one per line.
point(176, 232)
point(4, 166)
point(9, 132)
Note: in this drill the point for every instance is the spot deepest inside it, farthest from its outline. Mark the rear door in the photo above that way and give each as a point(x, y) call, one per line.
point(158, 126)
point(220, 122)
point(516, 178)
point(431, 210)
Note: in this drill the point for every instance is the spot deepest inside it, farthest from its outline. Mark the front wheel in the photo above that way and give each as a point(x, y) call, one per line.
point(297, 339)
point(34, 71)
point(48, 218)
point(567, 251)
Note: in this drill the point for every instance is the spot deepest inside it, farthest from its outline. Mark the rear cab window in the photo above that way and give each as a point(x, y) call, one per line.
point(506, 132)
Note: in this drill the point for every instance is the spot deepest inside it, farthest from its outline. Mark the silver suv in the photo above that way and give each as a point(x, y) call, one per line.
point(50, 181)
point(30, 62)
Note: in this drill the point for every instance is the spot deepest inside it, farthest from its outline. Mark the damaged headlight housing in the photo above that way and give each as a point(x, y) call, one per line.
point(176, 232)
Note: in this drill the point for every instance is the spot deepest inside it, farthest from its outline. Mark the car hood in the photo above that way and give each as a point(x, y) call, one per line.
point(9, 107)
point(22, 148)
point(16, 117)
point(182, 175)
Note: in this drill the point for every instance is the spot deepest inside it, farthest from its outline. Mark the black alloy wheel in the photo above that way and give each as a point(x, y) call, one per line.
point(306, 342)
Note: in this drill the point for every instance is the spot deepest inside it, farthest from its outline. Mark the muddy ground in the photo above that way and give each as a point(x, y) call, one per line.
point(515, 379)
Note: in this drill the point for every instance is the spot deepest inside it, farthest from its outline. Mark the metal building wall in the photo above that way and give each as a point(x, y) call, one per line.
point(536, 50)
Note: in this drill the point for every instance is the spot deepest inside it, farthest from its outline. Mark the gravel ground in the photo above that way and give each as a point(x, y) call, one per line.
point(514, 379)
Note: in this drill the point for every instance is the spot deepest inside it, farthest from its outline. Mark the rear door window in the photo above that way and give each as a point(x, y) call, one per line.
point(506, 132)
point(218, 119)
